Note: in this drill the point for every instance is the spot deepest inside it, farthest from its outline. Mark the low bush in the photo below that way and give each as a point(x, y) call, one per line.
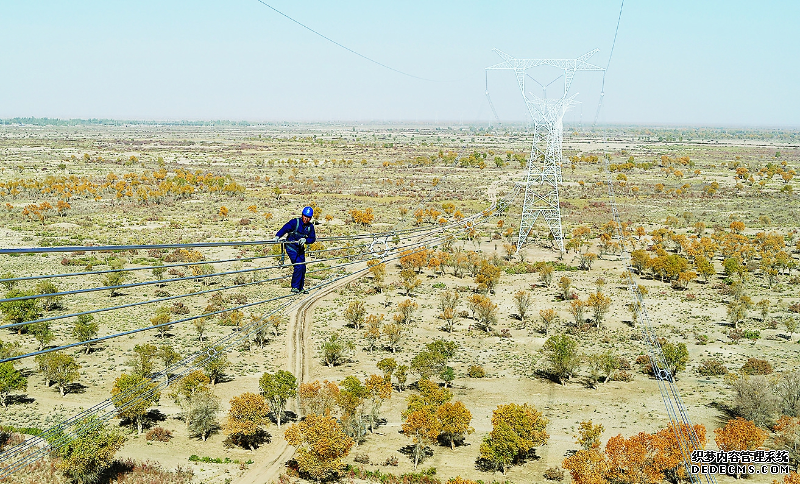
point(159, 434)
point(712, 367)
point(476, 371)
point(755, 366)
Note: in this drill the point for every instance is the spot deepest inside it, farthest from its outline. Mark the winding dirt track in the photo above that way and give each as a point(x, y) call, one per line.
point(298, 361)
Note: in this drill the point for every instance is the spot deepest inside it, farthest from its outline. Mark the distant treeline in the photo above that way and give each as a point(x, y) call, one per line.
point(119, 122)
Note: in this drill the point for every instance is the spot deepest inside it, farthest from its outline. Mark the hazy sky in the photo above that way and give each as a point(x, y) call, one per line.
point(675, 62)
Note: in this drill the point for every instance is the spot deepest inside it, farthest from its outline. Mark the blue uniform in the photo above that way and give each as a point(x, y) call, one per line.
point(295, 230)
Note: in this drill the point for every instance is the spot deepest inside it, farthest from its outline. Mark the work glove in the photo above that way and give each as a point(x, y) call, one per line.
point(302, 242)
point(276, 240)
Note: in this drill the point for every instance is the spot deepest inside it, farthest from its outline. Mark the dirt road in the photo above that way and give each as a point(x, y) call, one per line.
point(298, 361)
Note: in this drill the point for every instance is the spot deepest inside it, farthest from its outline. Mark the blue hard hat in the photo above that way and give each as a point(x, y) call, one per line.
point(308, 212)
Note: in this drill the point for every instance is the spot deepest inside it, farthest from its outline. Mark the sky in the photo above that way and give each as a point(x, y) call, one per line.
point(681, 62)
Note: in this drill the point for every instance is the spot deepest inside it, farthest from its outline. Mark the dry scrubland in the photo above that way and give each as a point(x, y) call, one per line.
point(688, 199)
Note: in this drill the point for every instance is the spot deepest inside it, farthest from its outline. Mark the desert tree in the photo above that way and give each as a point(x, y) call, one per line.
point(247, 415)
point(85, 328)
point(394, 333)
point(142, 359)
point(387, 366)
point(523, 300)
point(487, 277)
point(200, 413)
point(401, 375)
point(318, 398)
point(42, 333)
point(11, 380)
point(433, 359)
point(213, 361)
point(378, 271)
point(423, 428)
point(791, 325)
point(483, 310)
point(587, 467)
point(405, 311)
point(448, 301)
point(158, 271)
point(675, 355)
point(410, 280)
point(600, 303)
point(576, 309)
point(132, 395)
point(787, 436)
point(739, 434)
point(113, 280)
point(354, 314)
point(335, 350)
point(561, 352)
point(378, 389)
point(549, 317)
point(88, 454)
point(277, 388)
point(321, 445)
point(58, 368)
point(704, 267)
point(352, 404)
point(49, 303)
point(20, 310)
point(372, 333)
point(454, 420)
point(168, 357)
point(516, 429)
point(564, 285)
point(754, 398)
point(589, 435)
point(787, 388)
point(546, 274)
point(763, 308)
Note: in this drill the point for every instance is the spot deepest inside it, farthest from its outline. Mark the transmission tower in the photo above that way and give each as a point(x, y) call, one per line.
point(544, 164)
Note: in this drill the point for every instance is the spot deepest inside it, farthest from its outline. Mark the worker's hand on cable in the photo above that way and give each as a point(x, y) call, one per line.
point(276, 240)
point(302, 242)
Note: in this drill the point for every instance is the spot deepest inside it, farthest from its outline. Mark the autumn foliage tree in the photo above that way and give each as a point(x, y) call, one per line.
point(247, 415)
point(132, 395)
point(454, 419)
point(516, 429)
point(321, 444)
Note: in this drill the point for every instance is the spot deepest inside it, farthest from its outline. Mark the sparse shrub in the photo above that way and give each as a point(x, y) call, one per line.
point(754, 399)
point(554, 474)
point(755, 366)
point(476, 371)
point(159, 434)
point(712, 367)
point(622, 375)
point(391, 461)
point(179, 308)
point(361, 458)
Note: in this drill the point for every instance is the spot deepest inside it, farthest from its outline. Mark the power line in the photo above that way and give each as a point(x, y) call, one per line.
point(343, 46)
point(603, 85)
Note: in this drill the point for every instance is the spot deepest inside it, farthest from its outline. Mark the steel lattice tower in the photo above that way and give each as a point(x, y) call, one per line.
point(544, 165)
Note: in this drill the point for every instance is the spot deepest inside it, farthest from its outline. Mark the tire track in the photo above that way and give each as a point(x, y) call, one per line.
point(298, 362)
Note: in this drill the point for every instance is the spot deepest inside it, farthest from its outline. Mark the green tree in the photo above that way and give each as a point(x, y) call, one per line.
point(561, 352)
point(168, 357)
point(335, 349)
point(19, 311)
point(142, 359)
point(42, 332)
point(114, 279)
point(676, 356)
point(432, 360)
point(10, 380)
point(132, 395)
point(85, 328)
point(213, 361)
point(277, 388)
point(387, 366)
point(49, 303)
point(87, 455)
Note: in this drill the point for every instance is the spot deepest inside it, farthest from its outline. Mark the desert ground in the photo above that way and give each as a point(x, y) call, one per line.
point(178, 184)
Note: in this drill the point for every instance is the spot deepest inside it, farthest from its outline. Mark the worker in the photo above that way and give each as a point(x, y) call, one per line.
point(299, 232)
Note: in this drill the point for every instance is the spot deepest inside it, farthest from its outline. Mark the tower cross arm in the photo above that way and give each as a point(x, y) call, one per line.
point(579, 64)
